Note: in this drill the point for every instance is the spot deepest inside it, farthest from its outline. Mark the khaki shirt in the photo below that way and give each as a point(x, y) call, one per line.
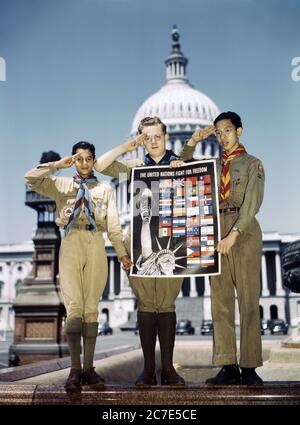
point(247, 180)
point(121, 169)
point(63, 191)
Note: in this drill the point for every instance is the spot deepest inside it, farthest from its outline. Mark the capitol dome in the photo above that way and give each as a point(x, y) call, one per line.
point(180, 106)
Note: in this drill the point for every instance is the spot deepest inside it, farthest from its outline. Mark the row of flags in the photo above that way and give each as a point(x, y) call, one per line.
point(186, 211)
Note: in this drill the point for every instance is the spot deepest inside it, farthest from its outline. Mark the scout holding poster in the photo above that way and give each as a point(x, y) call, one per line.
point(176, 220)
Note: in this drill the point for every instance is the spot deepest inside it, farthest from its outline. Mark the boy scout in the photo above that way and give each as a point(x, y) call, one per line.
point(156, 296)
point(85, 208)
point(241, 187)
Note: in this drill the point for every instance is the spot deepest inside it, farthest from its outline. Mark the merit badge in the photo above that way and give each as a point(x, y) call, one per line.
point(68, 211)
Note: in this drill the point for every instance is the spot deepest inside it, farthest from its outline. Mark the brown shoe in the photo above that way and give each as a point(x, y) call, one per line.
point(145, 379)
point(171, 377)
point(74, 380)
point(91, 378)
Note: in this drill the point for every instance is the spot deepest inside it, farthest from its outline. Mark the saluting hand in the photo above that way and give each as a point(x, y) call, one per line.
point(201, 135)
point(132, 145)
point(66, 162)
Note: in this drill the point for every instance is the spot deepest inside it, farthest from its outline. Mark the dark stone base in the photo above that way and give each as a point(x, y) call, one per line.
point(270, 394)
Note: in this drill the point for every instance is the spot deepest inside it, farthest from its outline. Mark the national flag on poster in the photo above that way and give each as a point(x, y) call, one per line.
point(165, 221)
point(208, 261)
point(192, 211)
point(207, 220)
point(190, 191)
point(207, 179)
point(180, 221)
point(165, 183)
point(193, 241)
point(178, 183)
point(192, 198)
point(193, 251)
point(206, 210)
point(178, 212)
point(207, 188)
point(193, 221)
point(207, 240)
point(191, 231)
point(207, 230)
point(164, 231)
point(165, 201)
point(178, 231)
point(191, 181)
point(165, 193)
point(193, 261)
point(179, 191)
point(179, 201)
point(165, 211)
point(207, 249)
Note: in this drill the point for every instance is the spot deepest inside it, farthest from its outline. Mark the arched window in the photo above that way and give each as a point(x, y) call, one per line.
point(1, 286)
point(274, 311)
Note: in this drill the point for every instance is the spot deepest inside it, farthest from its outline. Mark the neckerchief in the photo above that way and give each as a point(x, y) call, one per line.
point(166, 159)
point(83, 196)
point(225, 174)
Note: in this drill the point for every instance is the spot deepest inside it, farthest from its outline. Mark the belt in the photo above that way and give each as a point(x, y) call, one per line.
point(228, 210)
point(88, 227)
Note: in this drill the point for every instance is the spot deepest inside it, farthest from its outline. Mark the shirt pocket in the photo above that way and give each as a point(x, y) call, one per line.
point(100, 206)
point(238, 188)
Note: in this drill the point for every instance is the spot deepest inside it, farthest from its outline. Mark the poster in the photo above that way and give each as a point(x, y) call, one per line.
point(175, 220)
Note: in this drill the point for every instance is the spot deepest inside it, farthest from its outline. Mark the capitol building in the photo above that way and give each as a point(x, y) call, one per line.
point(183, 109)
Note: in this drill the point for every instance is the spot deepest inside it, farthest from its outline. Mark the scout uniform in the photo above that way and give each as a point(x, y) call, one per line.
point(82, 257)
point(240, 269)
point(156, 299)
point(153, 294)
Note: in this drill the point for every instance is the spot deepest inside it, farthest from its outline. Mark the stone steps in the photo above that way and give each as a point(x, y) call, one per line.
point(279, 393)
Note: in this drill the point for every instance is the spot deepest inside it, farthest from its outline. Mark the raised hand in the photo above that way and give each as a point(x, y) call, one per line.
point(132, 145)
point(202, 134)
point(67, 161)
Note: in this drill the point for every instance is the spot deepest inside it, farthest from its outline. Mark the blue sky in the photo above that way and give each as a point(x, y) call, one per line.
point(80, 69)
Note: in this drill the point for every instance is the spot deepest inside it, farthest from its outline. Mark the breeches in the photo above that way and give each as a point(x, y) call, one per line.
point(83, 273)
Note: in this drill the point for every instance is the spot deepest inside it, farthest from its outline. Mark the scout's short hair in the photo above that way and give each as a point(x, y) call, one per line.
point(232, 116)
point(84, 145)
point(149, 121)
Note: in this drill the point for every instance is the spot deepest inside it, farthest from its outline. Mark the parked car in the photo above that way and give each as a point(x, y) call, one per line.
point(184, 327)
point(130, 327)
point(104, 329)
point(278, 326)
point(264, 325)
point(207, 327)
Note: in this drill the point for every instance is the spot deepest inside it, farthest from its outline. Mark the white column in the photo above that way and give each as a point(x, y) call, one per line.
point(111, 294)
point(279, 289)
point(122, 281)
point(193, 290)
point(264, 277)
point(124, 197)
point(119, 197)
point(206, 292)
